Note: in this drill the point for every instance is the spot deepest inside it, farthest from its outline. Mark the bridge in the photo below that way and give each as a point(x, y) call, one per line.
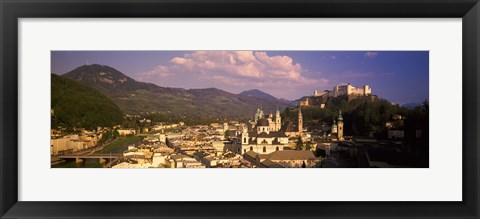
point(81, 157)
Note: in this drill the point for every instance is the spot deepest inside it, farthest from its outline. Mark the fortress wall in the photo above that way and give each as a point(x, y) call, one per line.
point(340, 90)
point(368, 90)
point(356, 91)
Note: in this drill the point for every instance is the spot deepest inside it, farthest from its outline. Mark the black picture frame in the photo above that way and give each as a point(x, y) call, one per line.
point(12, 10)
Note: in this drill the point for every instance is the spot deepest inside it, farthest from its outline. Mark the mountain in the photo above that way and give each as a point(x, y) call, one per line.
point(262, 95)
point(77, 105)
point(286, 101)
point(110, 80)
point(297, 101)
point(259, 94)
point(137, 97)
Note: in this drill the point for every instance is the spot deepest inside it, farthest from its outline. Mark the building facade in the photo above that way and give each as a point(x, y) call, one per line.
point(349, 89)
point(337, 126)
point(262, 139)
point(320, 98)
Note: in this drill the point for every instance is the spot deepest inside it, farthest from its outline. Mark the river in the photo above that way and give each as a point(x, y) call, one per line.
point(116, 147)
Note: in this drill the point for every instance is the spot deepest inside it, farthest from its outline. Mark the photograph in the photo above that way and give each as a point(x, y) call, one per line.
point(176, 109)
point(239, 109)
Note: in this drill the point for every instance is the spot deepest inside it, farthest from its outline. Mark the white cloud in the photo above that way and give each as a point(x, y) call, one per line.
point(159, 71)
point(241, 69)
point(370, 54)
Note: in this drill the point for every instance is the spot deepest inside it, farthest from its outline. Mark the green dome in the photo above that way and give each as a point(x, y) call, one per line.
point(340, 118)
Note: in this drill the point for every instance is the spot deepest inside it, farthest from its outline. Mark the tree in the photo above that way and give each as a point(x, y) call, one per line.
point(227, 133)
point(299, 144)
point(115, 133)
point(308, 146)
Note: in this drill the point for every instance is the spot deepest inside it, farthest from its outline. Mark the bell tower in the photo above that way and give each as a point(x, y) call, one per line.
point(278, 120)
point(245, 137)
point(340, 126)
point(300, 120)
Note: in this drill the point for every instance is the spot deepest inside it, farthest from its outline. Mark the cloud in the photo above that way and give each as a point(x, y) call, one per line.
point(158, 71)
point(370, 54)
point(241, 69)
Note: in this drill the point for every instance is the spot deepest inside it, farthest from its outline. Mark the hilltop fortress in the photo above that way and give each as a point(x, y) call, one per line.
point(348, 90)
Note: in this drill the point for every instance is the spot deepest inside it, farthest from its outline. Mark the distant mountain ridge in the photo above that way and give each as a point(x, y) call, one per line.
point(260, 94)
point(137, 97)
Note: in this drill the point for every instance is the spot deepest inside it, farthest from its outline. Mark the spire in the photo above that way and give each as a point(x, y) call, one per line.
point(340, 116)
point(277, 113)
point(334, 126)
point(299, 111)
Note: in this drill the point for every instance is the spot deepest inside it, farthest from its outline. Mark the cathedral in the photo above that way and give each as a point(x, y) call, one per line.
point(266, 134)
point(274, 123)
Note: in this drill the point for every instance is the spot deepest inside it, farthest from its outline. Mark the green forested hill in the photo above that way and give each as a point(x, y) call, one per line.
point(77, 105)
point(362, 115)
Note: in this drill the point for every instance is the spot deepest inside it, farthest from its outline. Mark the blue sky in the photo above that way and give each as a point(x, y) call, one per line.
point(398, 76)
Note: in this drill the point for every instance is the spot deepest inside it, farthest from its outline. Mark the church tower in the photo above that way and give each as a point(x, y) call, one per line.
point(334, 127)
point(245, 136)
point(260, 114)
point(278, 120)
point(257, 114)
point(300, 120)
point(340, 126)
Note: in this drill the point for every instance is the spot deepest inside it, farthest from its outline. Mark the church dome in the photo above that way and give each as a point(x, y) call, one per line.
point(262, 122)
point(340, 118)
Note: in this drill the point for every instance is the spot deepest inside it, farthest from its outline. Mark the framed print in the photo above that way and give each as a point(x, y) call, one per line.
point(240, 109)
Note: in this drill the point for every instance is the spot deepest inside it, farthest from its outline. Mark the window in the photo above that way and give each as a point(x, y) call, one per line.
point(264, 149)
point(244, 140)
point(251, 148)
point(276, 148)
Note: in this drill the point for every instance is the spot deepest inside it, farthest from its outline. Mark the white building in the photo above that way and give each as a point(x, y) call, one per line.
point(124, 132)
point(71, 143)
point(319, 99)
point(349, 90)
point(262, 139)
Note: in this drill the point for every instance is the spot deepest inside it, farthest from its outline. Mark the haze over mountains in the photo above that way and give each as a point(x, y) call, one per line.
point(137, 97)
